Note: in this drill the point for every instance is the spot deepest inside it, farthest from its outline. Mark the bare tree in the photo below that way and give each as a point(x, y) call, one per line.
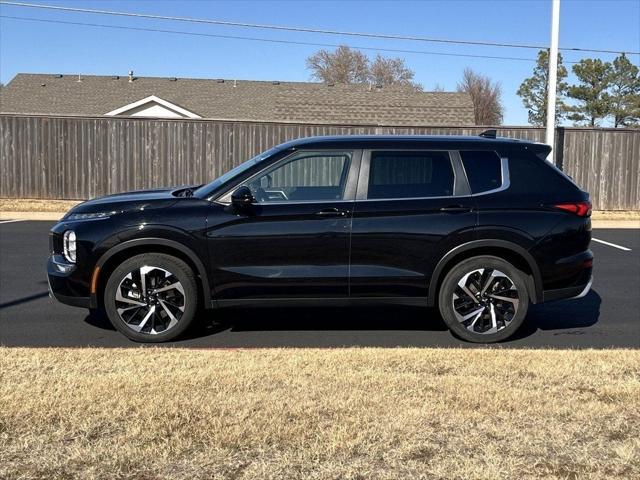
point(485, 95)
point(392, 71)
point(342, 66)
point(345, 65)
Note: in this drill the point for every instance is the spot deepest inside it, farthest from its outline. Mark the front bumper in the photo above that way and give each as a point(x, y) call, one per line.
point(64, 285)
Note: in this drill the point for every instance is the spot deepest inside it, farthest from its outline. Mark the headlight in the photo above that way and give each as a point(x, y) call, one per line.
point(69, 242)
point(89, 216)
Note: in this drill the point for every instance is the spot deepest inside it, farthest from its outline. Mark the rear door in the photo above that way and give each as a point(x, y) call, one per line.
point(412, 206)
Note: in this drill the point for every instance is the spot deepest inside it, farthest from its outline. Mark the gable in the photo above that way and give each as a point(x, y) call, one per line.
point(152, 106)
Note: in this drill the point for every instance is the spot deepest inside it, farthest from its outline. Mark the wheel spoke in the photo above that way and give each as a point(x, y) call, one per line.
point(173, 286)
point(181, 308)
point(495, 275)
point(514, 301)
point(494, 320)
point(143, 278)
point(144, 321)
point(131, 301)
point(477, 311)
point(475, 320)
point(174, 320)
point(126, 309)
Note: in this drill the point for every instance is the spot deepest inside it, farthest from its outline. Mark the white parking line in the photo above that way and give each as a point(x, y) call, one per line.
point(611, 244)
point(10, 221)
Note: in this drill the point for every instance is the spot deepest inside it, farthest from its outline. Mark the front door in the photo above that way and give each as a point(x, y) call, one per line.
point(411, 208)
point(293, 241)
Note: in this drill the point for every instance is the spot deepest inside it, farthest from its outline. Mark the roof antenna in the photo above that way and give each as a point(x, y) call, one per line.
point(235, 83)
point(491, 133)
point(79, 78)
point(130, 76)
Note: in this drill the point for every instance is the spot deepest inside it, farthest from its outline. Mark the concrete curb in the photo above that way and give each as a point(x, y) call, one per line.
point(49, 216)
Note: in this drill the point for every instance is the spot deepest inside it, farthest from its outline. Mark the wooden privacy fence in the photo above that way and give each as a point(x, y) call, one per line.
point(78, 158)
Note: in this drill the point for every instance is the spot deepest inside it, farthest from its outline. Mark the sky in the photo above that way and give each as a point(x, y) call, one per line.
point(36, 47)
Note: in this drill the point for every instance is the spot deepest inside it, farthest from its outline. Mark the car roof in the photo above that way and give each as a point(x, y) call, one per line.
point(404, 141)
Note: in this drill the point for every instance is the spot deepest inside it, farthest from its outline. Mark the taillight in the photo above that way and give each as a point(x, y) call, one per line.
point(582, 209)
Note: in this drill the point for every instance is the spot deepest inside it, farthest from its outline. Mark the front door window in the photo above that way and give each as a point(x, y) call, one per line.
point(304, 177)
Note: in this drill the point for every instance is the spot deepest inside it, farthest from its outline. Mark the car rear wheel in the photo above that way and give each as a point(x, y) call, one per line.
point(484, 299)
point(151, 297)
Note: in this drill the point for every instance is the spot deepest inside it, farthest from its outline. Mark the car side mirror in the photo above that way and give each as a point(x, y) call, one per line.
point(242, 197)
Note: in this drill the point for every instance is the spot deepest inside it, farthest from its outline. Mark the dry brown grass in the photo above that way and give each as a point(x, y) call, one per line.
point(319, 414)
point(616, 215)
point(33, 205)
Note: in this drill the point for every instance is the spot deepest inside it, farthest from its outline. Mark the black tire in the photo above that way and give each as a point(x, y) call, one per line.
point(168, 312)
point(498, 318)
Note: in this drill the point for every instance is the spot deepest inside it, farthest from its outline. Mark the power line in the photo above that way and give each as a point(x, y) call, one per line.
point(301, 29)
point(256, 39)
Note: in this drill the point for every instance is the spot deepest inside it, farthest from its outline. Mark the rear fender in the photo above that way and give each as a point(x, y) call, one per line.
point(534, 282)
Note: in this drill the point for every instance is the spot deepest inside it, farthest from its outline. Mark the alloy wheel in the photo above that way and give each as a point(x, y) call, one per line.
point(485, 301)
point(150, 300)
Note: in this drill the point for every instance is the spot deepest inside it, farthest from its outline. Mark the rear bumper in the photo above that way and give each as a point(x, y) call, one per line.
point(569, 277)
point(578, 291)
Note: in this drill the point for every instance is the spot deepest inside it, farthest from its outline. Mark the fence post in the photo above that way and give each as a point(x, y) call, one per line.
point(558, 149)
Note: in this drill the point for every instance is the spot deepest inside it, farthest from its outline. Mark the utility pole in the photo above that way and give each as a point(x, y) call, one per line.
point(553, 78)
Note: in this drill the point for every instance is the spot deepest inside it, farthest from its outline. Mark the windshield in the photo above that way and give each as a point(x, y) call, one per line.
point(211, 187)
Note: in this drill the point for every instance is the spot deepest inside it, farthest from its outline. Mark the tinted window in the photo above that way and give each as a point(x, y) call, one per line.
point(531, 174)
point(410, 175)
point(306, 176)
point(483, 170)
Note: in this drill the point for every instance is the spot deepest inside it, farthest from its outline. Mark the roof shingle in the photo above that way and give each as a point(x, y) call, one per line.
point(302, 102)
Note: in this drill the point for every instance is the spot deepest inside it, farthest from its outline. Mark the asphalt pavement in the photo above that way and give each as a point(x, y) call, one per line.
point(609, 316)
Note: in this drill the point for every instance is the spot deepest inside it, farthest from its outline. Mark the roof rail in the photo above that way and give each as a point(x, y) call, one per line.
point(491, 133)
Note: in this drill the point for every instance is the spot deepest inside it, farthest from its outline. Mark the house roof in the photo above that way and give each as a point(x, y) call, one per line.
point(303, 102)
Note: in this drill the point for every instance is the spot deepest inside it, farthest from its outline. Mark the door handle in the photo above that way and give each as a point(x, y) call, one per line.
point(455, 209)
point(331, 212)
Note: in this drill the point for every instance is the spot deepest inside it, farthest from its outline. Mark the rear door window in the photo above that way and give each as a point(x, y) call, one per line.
point(410, 174)
point(483, 169)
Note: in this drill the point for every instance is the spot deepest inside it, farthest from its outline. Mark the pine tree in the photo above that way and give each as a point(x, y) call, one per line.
point(624, 92)
point(533, 90)
point(592, 91)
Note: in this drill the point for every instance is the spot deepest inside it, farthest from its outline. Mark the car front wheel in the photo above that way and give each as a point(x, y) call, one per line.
point(484, 299)
point(151, 297)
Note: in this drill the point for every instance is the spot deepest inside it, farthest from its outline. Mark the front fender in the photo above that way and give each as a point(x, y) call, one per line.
point(167, 237)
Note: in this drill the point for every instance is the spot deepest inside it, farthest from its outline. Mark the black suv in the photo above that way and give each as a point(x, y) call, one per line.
point(478, 226)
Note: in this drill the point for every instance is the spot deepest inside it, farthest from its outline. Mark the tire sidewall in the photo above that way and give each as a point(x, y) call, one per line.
point(177, 267)
point(456, 273)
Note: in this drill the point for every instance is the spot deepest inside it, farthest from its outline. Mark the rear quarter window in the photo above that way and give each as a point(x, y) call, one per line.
point(483, 169)
point(530, 174)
